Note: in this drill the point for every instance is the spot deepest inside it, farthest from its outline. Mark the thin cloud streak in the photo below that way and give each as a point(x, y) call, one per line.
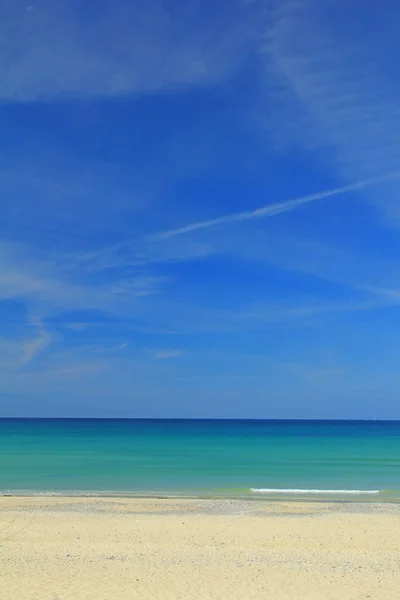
point(271, 210)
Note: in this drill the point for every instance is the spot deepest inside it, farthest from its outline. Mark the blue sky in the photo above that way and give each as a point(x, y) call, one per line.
point(200, 209)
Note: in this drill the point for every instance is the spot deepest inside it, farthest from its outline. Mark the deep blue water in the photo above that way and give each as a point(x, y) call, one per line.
point(199, 457)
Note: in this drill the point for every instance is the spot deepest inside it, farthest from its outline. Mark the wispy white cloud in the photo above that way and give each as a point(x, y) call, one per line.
point(392, 293)
point(43, 283)
point(19, 350)
point(138, 286)
point(362, 282)
point(107, 349)
point(166, 354)
point(271, 210)
point(361, 271)
point(117, 48)
point(47, 290)
point(122, 346)
point(36, 345)
point(187, 318)
point(334, 66)
point(140, 253)
point(305, 311)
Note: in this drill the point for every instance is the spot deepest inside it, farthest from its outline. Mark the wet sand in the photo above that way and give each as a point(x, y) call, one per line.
point(123, 548)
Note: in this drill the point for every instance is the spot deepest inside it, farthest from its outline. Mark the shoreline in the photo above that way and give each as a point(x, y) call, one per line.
point(317, 496)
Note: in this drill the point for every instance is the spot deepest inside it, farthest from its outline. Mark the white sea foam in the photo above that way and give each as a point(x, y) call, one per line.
point(311, 491)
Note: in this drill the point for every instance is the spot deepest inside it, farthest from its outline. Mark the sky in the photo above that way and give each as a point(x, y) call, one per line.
point(200, 209)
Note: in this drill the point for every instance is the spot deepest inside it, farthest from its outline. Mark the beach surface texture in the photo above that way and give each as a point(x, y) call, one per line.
point(58, 548)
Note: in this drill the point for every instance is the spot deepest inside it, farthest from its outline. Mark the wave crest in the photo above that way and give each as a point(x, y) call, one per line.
point(311, 491)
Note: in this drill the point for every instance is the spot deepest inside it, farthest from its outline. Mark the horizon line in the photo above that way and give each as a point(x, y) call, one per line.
point(303, 419)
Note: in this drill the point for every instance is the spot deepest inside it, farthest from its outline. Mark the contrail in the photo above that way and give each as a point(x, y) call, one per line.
point(274, 209)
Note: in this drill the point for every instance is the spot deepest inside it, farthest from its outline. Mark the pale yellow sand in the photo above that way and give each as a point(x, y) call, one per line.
point(100, 549)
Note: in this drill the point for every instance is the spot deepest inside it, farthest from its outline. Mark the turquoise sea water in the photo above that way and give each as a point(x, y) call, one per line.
point(343, 459)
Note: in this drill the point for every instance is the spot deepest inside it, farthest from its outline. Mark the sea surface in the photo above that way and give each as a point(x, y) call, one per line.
point(291, 459)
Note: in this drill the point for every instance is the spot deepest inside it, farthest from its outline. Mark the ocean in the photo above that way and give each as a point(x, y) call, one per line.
point(228, 458)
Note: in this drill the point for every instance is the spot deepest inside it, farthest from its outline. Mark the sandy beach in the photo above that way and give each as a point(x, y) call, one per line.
point(123, 548)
